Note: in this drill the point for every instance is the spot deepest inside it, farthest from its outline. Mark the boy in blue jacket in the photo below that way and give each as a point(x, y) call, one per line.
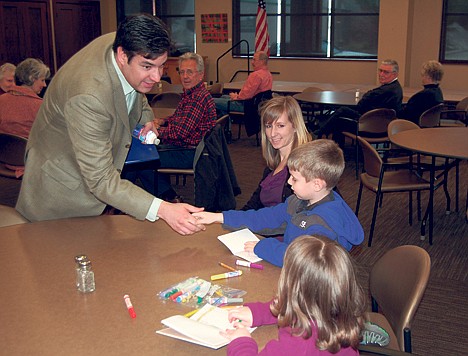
point(314, 208)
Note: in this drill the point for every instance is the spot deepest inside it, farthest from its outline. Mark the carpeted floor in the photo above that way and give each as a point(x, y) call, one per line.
point(440, 324)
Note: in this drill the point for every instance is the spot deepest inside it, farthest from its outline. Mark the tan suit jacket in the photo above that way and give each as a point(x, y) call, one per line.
point(80, 140)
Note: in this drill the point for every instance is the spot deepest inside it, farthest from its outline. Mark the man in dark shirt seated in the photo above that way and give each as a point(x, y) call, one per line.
point(388, 95)
point(194, 116)
point(431, 74)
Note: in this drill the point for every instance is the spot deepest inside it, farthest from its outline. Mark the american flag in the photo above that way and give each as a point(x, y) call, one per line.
point(262, 38)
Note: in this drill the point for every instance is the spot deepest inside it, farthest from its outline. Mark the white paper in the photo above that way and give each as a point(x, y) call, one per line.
point(202, 328)
point(235, 241)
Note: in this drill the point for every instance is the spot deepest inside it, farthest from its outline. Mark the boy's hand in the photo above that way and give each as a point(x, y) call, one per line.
point(249, 247)
point(208, 218)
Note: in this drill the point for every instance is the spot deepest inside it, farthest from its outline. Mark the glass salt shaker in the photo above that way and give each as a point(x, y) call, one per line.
point(78, 259)
point(85, 275)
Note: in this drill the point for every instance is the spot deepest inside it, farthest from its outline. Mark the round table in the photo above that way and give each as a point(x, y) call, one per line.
point(448, 142)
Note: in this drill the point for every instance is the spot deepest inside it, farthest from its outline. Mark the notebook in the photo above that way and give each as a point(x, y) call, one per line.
point(202, 328)
point(235, 241)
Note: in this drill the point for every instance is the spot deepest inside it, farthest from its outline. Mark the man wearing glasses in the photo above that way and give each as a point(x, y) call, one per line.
point(388, 95)
point(194, 116)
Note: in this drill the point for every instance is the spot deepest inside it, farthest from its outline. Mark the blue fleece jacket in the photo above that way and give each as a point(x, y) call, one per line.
point(330, 217)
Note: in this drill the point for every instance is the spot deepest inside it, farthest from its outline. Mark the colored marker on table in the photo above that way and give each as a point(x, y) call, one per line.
point(226, 275)
point(224, 300)
point(249, 264)
point(226, 266)
point(129, 305)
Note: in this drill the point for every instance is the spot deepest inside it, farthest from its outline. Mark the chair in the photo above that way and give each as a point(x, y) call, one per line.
point(184, 172)
point(372, 127)
point(379, 181)
point(12, 151)
point(250, 117)
point(431, 117)
point(371, 350)
point(397, 284)
point(216, 89)
point(9, 216)
point(457, 116)
point(166, 100)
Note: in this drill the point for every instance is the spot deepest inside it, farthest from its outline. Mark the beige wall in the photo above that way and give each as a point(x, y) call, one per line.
point(409, 31)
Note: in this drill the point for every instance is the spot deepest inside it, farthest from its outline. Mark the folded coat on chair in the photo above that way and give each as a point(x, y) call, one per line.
point(215, 180)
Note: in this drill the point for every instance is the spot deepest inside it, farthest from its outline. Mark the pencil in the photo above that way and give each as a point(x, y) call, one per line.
point(226, 266)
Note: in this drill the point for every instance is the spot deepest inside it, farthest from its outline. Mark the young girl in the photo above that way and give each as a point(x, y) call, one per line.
point(319, 306)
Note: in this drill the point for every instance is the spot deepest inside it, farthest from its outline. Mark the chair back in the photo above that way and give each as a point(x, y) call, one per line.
point(397, 283)
point(400, 125)
point(431, 117)
point(375, 122)
point(372, 160)
point(166, 86)
point(9, 216)
point(166, 100)
point(12, 149)
point(463, 104)
point(216, 89)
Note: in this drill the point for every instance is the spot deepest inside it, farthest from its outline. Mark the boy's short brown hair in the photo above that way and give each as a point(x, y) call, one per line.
point(321, 159)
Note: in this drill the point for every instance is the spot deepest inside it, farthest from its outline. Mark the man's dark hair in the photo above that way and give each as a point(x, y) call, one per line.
point(143, 35)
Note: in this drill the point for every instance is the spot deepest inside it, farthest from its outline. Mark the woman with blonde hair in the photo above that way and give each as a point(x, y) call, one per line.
point(282, 130)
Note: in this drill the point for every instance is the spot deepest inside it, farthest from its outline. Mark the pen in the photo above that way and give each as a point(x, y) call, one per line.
point(129, 305)
point(249, 264)
point(226, 266)
point(226, 275)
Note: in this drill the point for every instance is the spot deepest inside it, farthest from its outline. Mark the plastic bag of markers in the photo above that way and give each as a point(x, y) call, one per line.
point(195, 292)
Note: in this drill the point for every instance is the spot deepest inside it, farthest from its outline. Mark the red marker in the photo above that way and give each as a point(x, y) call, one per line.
point(129, 305)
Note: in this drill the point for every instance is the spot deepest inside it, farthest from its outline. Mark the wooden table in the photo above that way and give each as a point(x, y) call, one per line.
point(447, 142)
point(329, 98)
point(44, 314)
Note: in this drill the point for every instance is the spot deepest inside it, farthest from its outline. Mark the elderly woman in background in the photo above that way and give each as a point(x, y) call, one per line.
point(19, 107)
point(7, 77)
point(431, 74)
point(282, 130)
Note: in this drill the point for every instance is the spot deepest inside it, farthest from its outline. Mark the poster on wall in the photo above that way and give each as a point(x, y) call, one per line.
point(214, 28)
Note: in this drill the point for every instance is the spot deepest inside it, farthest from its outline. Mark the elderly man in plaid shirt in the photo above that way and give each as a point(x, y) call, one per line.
point(194, 116)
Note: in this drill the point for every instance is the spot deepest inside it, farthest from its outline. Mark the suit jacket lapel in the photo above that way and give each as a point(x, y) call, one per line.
point(118, 97)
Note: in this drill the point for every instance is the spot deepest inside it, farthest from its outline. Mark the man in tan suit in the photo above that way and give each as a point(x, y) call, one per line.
point(82, 133)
